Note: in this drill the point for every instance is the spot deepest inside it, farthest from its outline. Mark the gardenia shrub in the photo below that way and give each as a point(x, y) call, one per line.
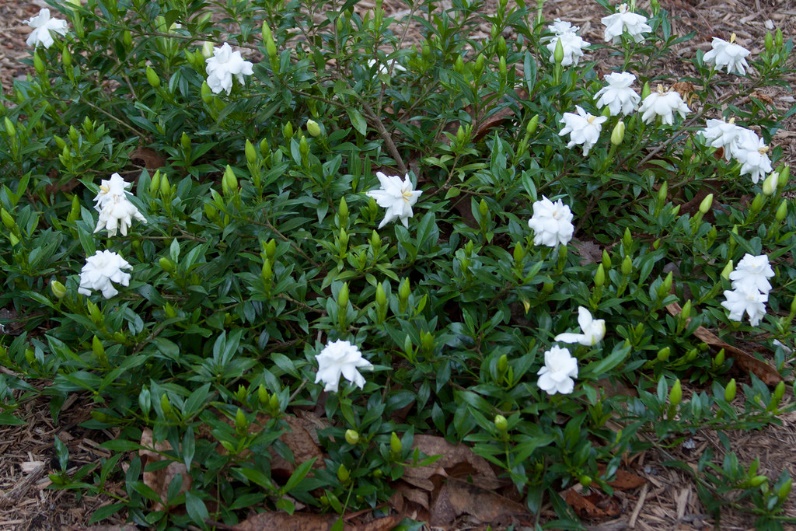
point(218, 214)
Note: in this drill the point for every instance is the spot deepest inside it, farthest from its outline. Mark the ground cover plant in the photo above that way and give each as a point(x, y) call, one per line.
point(222, 217)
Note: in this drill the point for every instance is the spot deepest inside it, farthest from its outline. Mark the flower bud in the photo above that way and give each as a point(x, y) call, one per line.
point(502, 66)
point(99, 350)
point(676, 394)
point(503, 364)
point(313, 128)
point(165, 406)
point(229, 183)
point(501, 423)
point(11, 131)
point(770, 184)
point(287, 130)
point(479, 64)
point(166, 264)
point(779, 393)
point(558, 53)
point(267, 272)
point(207, 49)
point(165, 186)
point(185, 142)
point(38, 64)
point(718, 361)
point(343, 474)
point(58, 289)
point(404, 290)
point(756, 481)
point(8, 219)
point(251, 153)
point(342, 296)
point(730, 391)
point(396, 447)
point(685, 313)
point(273, 403)
point(667, 283)
point(145, 400)
point(599, 276)
point(127, 39)
point(152, 77)
point(725, 273)
point(66, 58)
point(627, 266)
point(532, 125)
point(782, 211)
point(663, 354)
point(304, 147)
point(241, 423)
point(704, 206)
point(381, 296)
point(768, 42)
point(784, 176)
point(757, 203)
point(352, 437)
point(618, 134)
point(458, 66)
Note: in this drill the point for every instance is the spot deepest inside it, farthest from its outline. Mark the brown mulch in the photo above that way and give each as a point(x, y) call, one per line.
point(667, 501)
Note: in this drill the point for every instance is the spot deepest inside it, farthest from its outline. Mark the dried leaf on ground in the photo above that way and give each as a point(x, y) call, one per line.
point(594, 504)
point(159, 480)
point(744, 360)
point(457, 498)
point(148, 158)
point(301, 442)
point(456, 460)
point(589, 252)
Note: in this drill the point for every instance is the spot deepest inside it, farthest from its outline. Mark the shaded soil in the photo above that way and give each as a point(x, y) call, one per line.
point(669, 498)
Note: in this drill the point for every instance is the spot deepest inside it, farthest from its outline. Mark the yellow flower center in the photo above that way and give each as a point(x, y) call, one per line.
point(732, 38)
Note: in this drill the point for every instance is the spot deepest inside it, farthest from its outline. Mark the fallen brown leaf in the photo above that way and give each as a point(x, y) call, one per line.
point(287, 522)
point(457, 498)
point(744, 361)
point(457, 461)
point(595, 505)
point(148, 158)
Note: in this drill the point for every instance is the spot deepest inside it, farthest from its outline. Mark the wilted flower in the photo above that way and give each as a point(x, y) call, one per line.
point(551, 223)
point(751, 151)
point(571, 42)
point(391, 65)
point(583, 128)
point(618, 95)
point(721, 134)
point(102, 269)
point(593, 330)
point(752, 272)
point(663, 103)
point(558, 372)
point(42, 24)
point(728, 54)
point(744, 300)
point(396, 196)
point(116, 211)
point(222, 66)
point(625, 21)
point(341, 358)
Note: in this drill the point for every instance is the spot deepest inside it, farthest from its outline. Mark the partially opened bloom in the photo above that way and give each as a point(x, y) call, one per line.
point(116, 211)
point(42, 25)
point(618, 96)
point(728, 54)
point(663, 103)
point(625, 21)
point(752, 272)
point(558, 372)
point(396, 196)
point(572, 44)
point(102, 269)
point(751, 151)
point(341, 358)
point(593, 330)
point(744, 300)
point(551, 223)
point(223, 65)
point(583, 128)
point(721, 134)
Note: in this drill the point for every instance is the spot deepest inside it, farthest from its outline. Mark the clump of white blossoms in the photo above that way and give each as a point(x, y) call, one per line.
point(389, 66)
point(396, 196)
point(42, 25)
point(102, 269)
point(625, 21)
point(663, 103)
point(560, 367)
point(223, 65)
point(593, 330)
point(571, 43)
point(341, 358)
point(583, 128)
point(618, 96)
point(750, 288)
point(722, 135)
point(115, 210)
point(752, 152)
point(728, 54)
point(551, 223)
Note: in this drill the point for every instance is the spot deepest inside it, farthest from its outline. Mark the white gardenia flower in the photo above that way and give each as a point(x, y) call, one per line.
point(625, 21)
point(42, 25)
point(751, 151)
point(728, 54)
point(593, 330)
point(116, 211)
point(744, 300)
point(396, 196)
point(752, 273)
point(222, 66)
point(583, 128)
point(341, 358)
point(102, 269)
point(558, 372)
point(571, 42)
point(618, 95)
point(721, 134)
point(663, 103)
point(551, 223)
point(391, 65)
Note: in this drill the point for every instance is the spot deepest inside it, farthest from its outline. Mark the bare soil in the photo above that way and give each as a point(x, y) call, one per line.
point(668, 500)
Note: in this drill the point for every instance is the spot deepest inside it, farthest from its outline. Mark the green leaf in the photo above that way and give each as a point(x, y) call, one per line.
point(7, 419)
point(357, 120)
point(106, 511)
point(299, 474)
point(196, 508)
